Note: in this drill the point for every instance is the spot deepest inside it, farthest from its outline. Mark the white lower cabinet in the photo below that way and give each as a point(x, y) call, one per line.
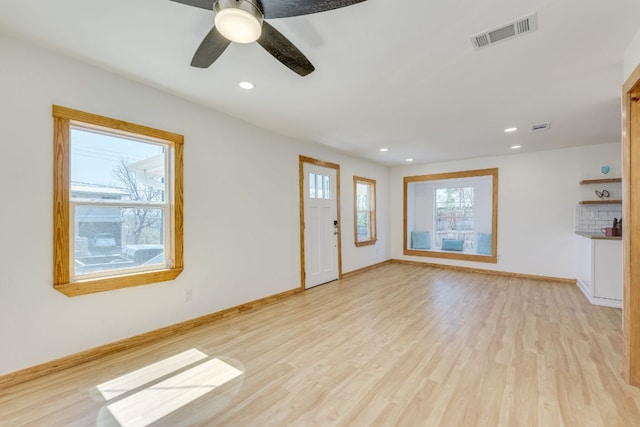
point(599, 270)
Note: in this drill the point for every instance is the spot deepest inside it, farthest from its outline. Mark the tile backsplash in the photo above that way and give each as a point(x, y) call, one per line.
point(592, 218)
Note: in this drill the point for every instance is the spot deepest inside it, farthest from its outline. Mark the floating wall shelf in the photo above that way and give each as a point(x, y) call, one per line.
point(603, 201)
point(600, 181)
point(600, 202)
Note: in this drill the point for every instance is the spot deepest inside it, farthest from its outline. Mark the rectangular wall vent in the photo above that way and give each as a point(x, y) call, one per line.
point(539, 127)
point(514, 29)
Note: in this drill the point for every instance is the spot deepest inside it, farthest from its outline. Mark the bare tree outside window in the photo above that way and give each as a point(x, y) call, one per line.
point(142, 225)
point(454, 214)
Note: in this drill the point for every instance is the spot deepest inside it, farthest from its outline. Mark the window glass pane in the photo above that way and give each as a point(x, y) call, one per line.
point(363, 226)
point(312, 185)
point(115, 238)
point(454, 215)
point(362, 201)
point(327, 187)
point(364, 208)
point(142, 226)
point(112, 167)
point(319, 187)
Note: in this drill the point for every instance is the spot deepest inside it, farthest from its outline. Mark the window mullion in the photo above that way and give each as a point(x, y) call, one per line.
point(120, 203)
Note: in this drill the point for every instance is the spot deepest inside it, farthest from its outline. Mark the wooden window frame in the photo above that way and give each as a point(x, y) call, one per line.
point(493, 258)
point(63, 119)
point(372, 211)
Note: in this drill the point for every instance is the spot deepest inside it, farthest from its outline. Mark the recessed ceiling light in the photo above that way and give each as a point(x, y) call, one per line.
point(246, 85)
point(509, 130)
point(515, 147)
point(384, 149)
point(409, 160)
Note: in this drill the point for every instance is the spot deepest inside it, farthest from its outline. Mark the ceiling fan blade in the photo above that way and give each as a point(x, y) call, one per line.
point(283, 50)
point(286, 8)
point(203, 4)
point(210, 49)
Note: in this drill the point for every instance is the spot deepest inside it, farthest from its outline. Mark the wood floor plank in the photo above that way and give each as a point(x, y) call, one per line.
point(401, 345)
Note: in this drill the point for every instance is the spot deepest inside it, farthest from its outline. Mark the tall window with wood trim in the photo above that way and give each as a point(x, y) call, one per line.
point(364, 191)
point(117, 203)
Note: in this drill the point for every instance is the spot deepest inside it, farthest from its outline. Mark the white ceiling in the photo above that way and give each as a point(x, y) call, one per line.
point(397, 74)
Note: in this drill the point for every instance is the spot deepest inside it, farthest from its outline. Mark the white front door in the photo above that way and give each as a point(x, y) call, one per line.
point(321, 231)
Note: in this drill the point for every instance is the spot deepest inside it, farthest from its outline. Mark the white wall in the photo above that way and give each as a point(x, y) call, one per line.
point(421, 216)
point(240, 244)
point(537, 194)
point(632, 56)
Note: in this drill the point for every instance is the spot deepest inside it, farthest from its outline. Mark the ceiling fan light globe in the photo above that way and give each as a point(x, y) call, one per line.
point(240, 22)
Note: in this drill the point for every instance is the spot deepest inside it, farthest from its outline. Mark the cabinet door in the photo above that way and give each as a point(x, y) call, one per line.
point(608, 269)
point(583, 262)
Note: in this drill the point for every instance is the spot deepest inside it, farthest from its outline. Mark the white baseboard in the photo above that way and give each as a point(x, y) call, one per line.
point(606, 302)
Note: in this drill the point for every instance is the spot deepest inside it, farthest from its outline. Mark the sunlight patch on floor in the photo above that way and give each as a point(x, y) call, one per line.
point(133, 380)
point(155, 402)
point(163, 391)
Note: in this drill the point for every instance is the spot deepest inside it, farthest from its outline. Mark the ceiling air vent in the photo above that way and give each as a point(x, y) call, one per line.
point(539, 127)
point(514, 29)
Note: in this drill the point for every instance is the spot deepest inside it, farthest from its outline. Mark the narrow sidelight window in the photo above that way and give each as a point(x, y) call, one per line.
point(364, 191)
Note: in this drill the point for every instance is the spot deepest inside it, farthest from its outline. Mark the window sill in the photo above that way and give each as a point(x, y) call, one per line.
point(464, 256)
point(366, 243)
point(92, 286)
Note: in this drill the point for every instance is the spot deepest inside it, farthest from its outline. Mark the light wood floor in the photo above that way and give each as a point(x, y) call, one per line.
point(397, 346)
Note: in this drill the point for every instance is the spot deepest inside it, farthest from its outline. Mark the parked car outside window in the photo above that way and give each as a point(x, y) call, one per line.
point(103, 240)
point(140, 254)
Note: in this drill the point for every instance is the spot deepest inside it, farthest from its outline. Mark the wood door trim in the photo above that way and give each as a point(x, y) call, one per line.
point(301, 161)
point(631, 231)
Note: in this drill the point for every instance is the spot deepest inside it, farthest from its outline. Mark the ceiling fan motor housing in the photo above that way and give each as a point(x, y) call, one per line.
point(238, 20)
point(253, 7)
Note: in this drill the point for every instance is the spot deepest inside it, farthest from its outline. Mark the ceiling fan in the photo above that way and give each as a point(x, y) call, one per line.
point(242, 21)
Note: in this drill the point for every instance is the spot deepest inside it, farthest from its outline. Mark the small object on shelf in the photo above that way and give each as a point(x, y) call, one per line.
point(605, 169)
point(602, 194)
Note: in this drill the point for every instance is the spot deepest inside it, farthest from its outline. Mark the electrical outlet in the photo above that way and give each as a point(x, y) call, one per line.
point(188, 295)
